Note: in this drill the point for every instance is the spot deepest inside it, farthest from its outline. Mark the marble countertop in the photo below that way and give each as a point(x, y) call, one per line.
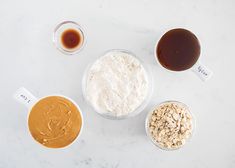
point(29, 59)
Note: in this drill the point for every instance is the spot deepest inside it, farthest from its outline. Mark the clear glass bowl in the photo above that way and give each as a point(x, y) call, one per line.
point(139, 109)
point(147, 125)
point(58, 33)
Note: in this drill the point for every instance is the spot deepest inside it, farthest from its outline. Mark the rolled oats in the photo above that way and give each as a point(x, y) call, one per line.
point(170, 125)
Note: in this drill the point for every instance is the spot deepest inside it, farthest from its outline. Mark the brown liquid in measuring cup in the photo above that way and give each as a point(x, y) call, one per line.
point(71, 39)
point(178, 50)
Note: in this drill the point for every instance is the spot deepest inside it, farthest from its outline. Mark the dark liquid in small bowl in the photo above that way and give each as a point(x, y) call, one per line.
point(71, 39)
point(178, 50)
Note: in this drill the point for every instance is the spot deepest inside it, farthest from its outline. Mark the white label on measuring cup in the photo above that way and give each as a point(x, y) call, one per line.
point(202, 71)
point(23, 96)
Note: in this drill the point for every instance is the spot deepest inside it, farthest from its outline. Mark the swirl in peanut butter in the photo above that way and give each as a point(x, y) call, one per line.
point(55, 122)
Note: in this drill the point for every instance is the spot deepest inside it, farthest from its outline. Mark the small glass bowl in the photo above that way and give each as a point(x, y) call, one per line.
point(139, 109)
point(62, 27)
point(147, 125)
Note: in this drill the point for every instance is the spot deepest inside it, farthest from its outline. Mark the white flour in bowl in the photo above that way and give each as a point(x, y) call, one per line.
point(116, 84)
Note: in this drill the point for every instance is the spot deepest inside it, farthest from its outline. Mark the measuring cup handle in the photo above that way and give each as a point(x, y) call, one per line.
point(26, 98)
point(202, 71)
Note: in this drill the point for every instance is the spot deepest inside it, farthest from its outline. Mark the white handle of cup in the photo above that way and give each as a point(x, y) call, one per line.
point(26, 98)
point(202, 71)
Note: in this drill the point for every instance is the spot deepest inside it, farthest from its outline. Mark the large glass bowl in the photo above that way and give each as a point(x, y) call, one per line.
point(139, 109)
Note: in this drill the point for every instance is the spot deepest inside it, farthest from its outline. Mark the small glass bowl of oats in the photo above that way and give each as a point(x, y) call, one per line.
point(170, 125)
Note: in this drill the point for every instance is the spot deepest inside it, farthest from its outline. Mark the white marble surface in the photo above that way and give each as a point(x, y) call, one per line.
point(29, 59)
